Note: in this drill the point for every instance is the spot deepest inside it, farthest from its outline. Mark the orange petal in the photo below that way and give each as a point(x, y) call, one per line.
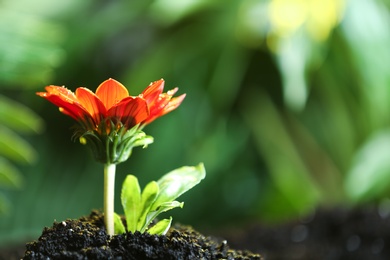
point(162, 100)
point(62, 92)
point(111, 92)
point(164, 106)
point(130, 111)
point(152, 92)
point(173, 103)
point(91, 103)
point(65, 100)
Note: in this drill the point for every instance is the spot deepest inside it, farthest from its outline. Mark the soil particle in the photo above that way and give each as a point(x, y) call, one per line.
point(86, 238)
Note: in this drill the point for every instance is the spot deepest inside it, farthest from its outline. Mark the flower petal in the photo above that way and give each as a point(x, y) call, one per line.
point(152, 92)
point(130, 111)
point(173, 104)
point(91, 103)
point(111, 92)
point(65, 100)
point(164, 104)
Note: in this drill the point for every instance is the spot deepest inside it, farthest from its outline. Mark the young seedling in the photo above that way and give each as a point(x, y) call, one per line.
point(141, 209)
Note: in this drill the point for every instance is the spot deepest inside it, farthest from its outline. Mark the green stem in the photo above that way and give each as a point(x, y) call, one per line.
point(109, 187)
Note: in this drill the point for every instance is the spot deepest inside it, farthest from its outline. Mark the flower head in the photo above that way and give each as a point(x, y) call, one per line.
point(106, 117)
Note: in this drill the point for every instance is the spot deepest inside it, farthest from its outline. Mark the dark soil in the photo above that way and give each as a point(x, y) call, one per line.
point(337, 234)
point(328, 234)
point(86, 238)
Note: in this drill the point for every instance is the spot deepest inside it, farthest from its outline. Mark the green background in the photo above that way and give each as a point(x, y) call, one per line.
point(288, 105)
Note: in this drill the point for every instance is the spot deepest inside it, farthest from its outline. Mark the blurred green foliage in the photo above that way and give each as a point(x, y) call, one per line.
point(287, 102)
point(15, 118)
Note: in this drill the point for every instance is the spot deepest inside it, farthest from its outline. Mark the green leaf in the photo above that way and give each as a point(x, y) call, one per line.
point(143, 140)
point(14, 147)
point(162, 208)
point(157, 197)
point(9, 175)
point(148, 196)
point(131, 201)
point(288, 169)
point(178, 181)
point(19, 117)
point(161, 228)
point(119, 228)
point(367, 178)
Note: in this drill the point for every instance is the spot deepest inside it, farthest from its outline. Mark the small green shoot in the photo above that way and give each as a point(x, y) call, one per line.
point(157, 197)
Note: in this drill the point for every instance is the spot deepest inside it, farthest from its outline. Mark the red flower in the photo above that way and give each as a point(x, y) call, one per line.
point(112, 102)
point(111, 121)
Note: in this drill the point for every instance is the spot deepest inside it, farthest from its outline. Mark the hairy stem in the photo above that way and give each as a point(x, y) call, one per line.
point(109, 186)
